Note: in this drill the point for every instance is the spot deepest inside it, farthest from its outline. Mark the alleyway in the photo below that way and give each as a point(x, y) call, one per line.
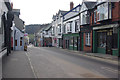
point(56, 63)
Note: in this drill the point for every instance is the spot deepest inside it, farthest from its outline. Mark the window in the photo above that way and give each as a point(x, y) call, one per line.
point(55, 41)
point(21, 41)
point(87, 39)
point(85, 18)
point(15, 42)
point(75, 41)
point(21, 38)
point(70, 26)
point(71, 41)
point(103, 10)
point(60, 28)
point(102, 39)
point(64, 29)
point(95, 16)
point(76, 26)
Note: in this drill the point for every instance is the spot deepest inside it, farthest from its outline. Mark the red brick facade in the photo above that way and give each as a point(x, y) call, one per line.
point(116, 11)
point(88, 48)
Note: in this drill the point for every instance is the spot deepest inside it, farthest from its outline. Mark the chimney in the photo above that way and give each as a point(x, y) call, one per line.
point(71, 5)
point(12, 5)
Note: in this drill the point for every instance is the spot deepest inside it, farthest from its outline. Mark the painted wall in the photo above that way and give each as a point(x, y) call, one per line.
point(18, 35)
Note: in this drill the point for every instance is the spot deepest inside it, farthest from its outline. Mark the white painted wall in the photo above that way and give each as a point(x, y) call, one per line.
point(17, 37)
point(73, 24)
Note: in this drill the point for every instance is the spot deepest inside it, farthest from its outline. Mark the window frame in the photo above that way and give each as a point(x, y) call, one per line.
point(88, 39)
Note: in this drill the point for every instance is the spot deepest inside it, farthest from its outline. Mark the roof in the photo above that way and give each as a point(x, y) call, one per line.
point(43, 27)
point(90, 5)
point(72, 9)
point(62, 12)
point(48, 27)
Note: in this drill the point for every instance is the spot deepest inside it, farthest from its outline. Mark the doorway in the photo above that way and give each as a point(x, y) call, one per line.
point(109, 43)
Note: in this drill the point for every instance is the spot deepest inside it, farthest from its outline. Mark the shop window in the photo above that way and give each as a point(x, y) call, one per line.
point(102, 39)
point(87, 39)
point(55, 41)
point(71, 41)
point(75, 41)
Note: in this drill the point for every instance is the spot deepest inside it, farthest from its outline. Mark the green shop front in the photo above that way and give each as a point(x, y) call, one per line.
point(71, 41)
point(106, 39)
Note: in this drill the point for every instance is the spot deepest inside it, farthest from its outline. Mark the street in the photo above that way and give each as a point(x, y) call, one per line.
point(58, 63)
point(45, 62)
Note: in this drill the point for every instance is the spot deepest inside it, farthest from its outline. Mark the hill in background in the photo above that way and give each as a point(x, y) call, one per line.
point(33, 28)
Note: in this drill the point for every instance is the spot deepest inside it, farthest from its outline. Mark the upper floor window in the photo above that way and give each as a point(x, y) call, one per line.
point(69, 26)
point(84, 18)
point(104, 11)
point(76, 26)
point(64, 29)
point(95, 16)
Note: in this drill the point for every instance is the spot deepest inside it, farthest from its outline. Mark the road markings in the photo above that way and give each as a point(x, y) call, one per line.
point(33, 70)
point(110, 69)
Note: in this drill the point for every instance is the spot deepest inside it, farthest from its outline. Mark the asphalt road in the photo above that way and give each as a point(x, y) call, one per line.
point(59, 63)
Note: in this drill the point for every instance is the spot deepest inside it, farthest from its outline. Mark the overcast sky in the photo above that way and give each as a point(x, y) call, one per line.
point(41, 11)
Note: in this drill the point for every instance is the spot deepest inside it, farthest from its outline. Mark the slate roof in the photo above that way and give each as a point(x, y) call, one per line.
point(62, 12)
point(90, 5)
point(48, 27)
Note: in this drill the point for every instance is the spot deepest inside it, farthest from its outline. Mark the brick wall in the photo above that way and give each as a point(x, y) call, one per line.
point(116, 11)
point(88, 48)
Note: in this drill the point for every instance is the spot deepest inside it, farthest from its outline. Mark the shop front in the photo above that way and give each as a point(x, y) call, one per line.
point(106, 39)
point(71, 41)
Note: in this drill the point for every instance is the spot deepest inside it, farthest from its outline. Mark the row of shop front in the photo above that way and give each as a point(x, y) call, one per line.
point(104, 39)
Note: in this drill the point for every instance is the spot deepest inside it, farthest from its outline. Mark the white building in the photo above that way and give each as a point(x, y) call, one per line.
point(17, 32)
point(57, 24)
point(18, 39)
point(71, 29)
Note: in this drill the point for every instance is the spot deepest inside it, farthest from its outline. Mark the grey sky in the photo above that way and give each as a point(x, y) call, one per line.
point(41, 11)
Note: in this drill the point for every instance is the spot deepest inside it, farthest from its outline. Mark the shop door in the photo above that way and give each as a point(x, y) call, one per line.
point(82, 42)
point(109, 43)
point(78, 41)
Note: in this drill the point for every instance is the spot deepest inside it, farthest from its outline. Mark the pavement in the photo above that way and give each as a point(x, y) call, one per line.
point(98, 55)
point(16, 65)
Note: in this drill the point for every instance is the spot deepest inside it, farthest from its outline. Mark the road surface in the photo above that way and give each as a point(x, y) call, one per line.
point(59, 63)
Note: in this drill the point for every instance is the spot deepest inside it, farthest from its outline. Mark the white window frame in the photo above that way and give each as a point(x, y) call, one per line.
point(87, 39)
point(95, 16)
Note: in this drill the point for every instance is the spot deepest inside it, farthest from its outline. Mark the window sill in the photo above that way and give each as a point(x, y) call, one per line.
point(115, 49)
point(88, 45)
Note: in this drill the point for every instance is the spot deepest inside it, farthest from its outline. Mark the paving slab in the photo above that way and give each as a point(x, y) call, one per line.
point(16, 66)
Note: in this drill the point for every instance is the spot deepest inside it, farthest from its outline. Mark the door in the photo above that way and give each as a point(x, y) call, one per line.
point(109, 43)
point(82, 42)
